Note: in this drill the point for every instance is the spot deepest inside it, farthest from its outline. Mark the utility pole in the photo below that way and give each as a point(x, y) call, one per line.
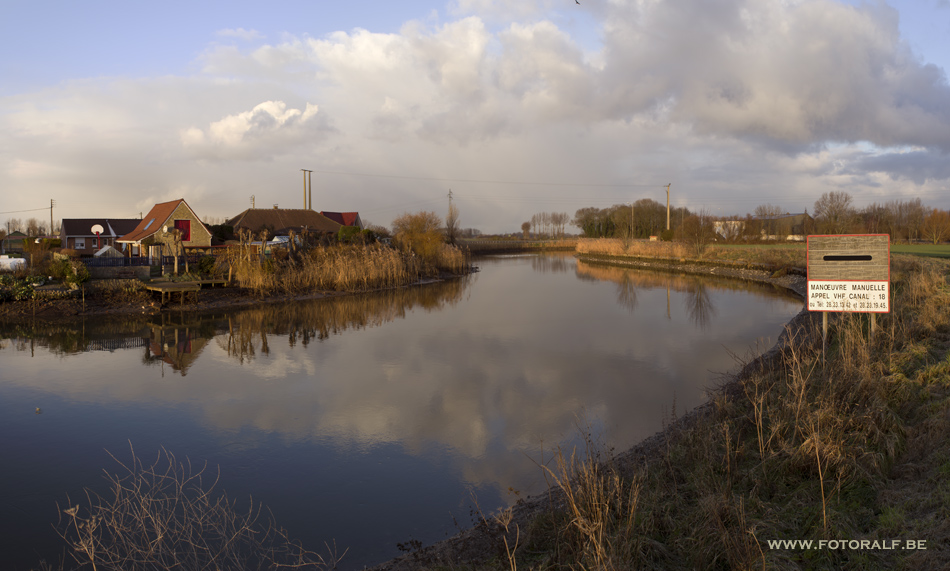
point(51, 203)
point(305, 171)
point(668, 206)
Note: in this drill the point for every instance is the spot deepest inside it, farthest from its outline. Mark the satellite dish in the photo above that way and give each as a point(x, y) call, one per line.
point(97, 229)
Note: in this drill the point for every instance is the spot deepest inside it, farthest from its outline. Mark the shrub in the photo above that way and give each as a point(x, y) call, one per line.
point(206, 265)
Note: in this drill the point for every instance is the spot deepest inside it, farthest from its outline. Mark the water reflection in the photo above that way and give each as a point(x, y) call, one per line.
point(697, 299)
point(469, 378)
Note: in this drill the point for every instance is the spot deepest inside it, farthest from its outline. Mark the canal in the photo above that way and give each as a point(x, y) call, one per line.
point(369, 420)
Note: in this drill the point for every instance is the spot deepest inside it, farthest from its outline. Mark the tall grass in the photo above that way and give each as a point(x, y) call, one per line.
point(345, 267)
point(792, 449)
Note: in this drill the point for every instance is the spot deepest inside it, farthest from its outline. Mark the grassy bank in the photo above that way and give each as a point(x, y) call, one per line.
point(772, 255)
point(856, 449)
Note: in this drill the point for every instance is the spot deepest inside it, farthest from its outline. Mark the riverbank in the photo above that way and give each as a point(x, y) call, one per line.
point(789, 448)
point(129, 298)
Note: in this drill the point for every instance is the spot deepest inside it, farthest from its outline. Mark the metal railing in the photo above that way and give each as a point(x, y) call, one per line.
point(115, 262)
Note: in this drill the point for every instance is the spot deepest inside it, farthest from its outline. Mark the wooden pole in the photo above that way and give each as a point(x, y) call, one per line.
point(824, 336)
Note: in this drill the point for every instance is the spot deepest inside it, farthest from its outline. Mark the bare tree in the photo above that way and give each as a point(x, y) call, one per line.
point(916, 212)
point(525, 229)
point(936, 227)
point(176, 241)
point(697, 230)
point(834, 213)
point(768, 211)
point(452, 224)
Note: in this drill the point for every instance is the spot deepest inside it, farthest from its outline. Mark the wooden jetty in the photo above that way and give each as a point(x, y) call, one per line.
point(182, 288)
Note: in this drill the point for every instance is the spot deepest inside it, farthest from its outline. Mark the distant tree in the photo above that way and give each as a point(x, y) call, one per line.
point(15, 225)
point(525, 229)
point(452, 224)
point(834, 213)
point(420, 233)
point(916, 212)
point(697, 230)
point(560, 220)
point(623, 222)
point(768, 211)
point(936, 226)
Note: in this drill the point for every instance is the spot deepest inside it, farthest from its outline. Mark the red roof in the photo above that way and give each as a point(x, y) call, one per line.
point(343, 218)
point(153, 221)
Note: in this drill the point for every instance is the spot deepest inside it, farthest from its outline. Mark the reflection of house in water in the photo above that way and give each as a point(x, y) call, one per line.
point(112, 345)
point(175, 344)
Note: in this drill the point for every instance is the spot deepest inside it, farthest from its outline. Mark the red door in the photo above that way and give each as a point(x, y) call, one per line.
point(185, 227)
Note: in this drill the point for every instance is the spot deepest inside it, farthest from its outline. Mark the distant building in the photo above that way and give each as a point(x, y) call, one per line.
point(345, 218)
point(784, 226)
point(280, 221)
point(787, 227)
point(13, 242)
point(76, 233)
point(158, 226)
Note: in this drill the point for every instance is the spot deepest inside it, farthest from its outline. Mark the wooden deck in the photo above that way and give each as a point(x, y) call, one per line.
point(182, 288)
point(170, 288)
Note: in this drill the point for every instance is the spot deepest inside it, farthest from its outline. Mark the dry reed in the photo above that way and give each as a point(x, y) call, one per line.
point(166, 515)
point(344, 267)
point(789, 451)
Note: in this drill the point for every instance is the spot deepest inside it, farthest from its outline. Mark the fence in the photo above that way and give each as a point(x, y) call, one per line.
point(138, 261)
point(115, 262)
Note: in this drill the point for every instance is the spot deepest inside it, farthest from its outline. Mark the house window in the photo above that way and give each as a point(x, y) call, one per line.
point(80, 244)
point(185, 227)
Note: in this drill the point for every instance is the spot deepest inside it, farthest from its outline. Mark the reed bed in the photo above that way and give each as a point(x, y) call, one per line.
point(344, 267)
point(795, 448)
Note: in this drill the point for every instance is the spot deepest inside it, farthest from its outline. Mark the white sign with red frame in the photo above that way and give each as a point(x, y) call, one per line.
point(849, 272)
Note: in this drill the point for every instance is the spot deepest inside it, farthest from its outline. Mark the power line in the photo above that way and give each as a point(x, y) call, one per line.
point(30, 210)
point(485, 181)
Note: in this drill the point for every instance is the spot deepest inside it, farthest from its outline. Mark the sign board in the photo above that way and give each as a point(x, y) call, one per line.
point(849, 273)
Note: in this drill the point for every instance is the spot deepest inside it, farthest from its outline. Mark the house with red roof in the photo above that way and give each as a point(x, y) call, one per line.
point(345, 218)
point(159, 225)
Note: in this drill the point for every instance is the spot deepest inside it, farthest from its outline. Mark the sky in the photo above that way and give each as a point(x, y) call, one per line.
point(109, 107)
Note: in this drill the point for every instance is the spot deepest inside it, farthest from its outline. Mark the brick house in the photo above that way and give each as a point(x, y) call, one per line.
point(158, 226)
point(76, 233)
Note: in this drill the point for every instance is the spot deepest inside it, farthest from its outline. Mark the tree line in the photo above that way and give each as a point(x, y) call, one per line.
point(545, 225)
point(30, 227)
point(833, 213)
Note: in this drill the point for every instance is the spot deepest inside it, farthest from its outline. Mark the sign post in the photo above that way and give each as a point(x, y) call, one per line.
point(850, 273)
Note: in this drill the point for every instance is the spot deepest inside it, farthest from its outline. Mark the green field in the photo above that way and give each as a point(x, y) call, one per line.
point(929, 250)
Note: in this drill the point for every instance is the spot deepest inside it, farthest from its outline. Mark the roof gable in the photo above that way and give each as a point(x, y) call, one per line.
point(343, 218)
point(279, 219)
point(155, 220)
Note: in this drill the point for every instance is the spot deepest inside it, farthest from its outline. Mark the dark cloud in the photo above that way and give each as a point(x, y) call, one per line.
point(917, 166)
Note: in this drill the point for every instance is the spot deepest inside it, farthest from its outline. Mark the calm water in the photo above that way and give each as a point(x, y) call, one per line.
point(369, 420)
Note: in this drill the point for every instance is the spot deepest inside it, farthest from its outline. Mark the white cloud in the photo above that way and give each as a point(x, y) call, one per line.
point(255, 134)
point(240, 34)
point(732, 98)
